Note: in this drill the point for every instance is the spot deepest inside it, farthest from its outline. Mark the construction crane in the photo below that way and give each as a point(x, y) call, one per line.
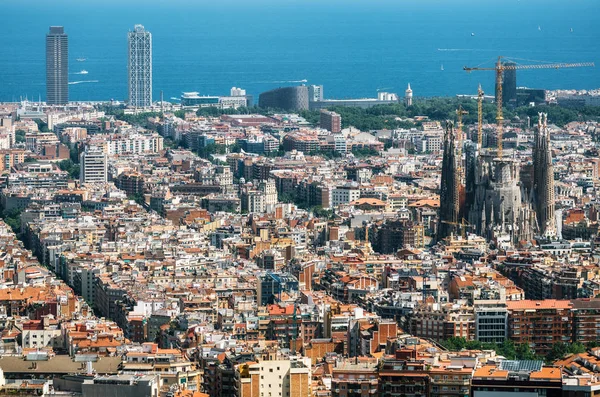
point(463, 225)
point(500, 68)
point(459, 113)
point(479, 117)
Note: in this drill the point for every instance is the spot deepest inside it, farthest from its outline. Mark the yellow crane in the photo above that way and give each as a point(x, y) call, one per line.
point(500, 67)
point(479, 117)
point(462, 226)
point(459, 113)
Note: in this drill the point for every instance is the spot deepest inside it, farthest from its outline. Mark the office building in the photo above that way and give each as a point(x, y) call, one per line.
point(315, 93)
point(93, 166)
point(285, 98)
point(272, 285)
point(525, 96)
point(57, 66)
point(140, 67)
point(331, 121)
point(509, 85)
point(345, 194)
point(491, 318)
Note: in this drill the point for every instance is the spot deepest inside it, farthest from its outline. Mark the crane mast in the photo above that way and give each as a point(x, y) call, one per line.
point(499, 112)
point(479, 117)
point(499, 68)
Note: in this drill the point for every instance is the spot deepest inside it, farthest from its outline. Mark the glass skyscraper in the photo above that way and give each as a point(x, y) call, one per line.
point(140, 67)
point(57, 66)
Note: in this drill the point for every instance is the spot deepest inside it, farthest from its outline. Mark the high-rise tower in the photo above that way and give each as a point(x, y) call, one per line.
point(509, 85)
point(543, 178)
point(449, 186)
point(57, 66)
point(140, 67)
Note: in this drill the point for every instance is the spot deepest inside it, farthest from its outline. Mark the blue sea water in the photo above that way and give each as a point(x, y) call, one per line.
point(352, 47)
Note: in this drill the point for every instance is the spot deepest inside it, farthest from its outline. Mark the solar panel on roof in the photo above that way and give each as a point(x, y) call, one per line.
point(521, 365)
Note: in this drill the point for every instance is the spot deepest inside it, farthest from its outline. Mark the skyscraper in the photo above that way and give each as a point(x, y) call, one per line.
point(543, 178)
point(57, 66)
point(140, 67)
point(509, 85)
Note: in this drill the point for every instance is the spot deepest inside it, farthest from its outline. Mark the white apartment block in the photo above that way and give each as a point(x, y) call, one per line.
point(429, 142)
point(128, 143)
point(93, 166)
point(345, 194)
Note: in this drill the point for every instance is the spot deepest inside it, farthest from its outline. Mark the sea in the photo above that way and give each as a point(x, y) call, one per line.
point(354, 48)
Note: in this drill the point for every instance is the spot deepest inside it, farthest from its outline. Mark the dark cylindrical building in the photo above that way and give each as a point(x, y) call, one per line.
point(285, 98)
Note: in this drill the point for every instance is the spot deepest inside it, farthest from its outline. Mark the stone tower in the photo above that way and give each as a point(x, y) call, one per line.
point(449, 186)
point(408, 96)
point(543, 178)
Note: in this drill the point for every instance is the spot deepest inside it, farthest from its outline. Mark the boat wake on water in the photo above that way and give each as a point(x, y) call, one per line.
point(282, 81)
point(458, 49)
point(83, 81)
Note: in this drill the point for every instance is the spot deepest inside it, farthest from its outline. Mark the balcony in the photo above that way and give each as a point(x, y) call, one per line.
point(459, 382)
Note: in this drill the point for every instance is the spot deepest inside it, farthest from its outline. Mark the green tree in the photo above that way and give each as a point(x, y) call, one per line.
point(321, 212)
point(42, 126)
point(365, 152)
point(13, 219)
point(69, 166)
point(559, 350)
point(74, 154)
point(20, 136)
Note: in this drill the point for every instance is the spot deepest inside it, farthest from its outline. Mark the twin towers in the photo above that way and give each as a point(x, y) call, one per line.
point(139, 67)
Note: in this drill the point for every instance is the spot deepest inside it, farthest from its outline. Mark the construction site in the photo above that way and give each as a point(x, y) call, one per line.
point(482, 190)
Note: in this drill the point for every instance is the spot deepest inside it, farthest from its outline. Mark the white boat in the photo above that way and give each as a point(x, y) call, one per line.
point(539, 28)
point(83, 72)
point(442, 67)
point(81, 59)
point(472, 34)
point(571, 30)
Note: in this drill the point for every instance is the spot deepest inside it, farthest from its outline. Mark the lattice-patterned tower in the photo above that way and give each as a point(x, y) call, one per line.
point(543, 178)
point(449, 186)
point(140, 67)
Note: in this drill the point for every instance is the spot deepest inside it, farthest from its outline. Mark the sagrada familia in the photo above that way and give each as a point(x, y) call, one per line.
point(496, 196)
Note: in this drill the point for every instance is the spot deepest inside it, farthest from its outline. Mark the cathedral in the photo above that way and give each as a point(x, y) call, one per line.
point(497, 205)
